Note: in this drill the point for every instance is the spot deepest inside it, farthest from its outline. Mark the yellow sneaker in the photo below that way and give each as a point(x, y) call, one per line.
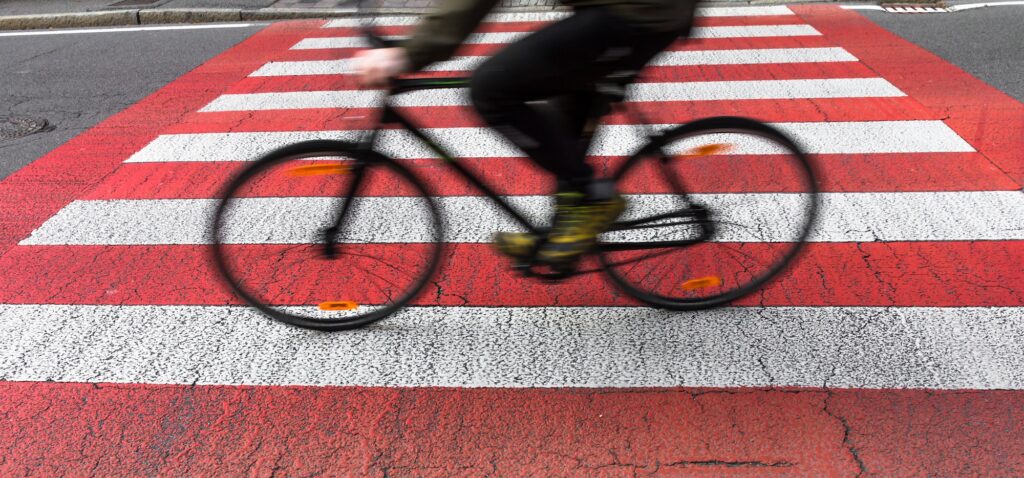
point(579, 219)
point(517, 245)
point(523, 245)
point(578, 223)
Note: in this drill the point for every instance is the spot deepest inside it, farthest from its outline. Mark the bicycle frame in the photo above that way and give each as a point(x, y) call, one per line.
point(689, 215)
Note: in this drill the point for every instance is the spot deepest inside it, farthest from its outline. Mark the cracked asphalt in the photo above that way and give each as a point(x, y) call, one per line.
point(892, 349)
point(487, 432)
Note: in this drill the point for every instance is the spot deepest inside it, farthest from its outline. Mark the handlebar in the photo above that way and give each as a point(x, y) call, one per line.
point(404, 85)
point(375, 41)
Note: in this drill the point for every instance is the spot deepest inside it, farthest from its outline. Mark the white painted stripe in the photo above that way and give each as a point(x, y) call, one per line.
point(862, 7)
point(127, 29)
point(744, 11)
point(746, 57)
point(971, 6)
point(845, 347)
point(668, 58)
point(552, 16)
point(611, 140)
point(764, 89)
point(408, 20)
point(757, 217)
point(682, 91)
point(742, 31)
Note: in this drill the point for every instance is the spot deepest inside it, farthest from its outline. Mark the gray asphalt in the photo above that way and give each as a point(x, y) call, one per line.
point(36, 7)
point(77, 80)
point(984, 42)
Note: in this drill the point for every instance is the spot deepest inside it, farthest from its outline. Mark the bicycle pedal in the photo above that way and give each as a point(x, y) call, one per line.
point(521, 266)
point(556, 271)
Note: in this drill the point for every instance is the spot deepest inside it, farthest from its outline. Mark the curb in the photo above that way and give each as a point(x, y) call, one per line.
point(66, 20)
point(195, 15)
point(159, 16)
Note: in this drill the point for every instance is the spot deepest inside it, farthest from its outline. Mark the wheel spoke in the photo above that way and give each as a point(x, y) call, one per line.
point(360, 281)
point(762, 238)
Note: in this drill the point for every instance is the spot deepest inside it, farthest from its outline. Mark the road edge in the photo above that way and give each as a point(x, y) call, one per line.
point(184, 15)
point(160, 16)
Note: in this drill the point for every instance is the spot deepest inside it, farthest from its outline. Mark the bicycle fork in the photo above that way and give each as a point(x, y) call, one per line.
point(329, 235)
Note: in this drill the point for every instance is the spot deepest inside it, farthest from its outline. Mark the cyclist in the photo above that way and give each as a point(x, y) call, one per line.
point(540, 92)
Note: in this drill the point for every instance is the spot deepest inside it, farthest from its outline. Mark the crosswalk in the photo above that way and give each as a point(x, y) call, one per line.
point(853, 216)
point(911, 280)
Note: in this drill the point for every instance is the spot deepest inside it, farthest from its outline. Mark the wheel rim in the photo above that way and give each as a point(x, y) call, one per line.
point(267, 239)
point(749, 247)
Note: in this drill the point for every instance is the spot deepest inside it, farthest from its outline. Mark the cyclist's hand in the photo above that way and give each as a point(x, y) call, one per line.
point(377, 66)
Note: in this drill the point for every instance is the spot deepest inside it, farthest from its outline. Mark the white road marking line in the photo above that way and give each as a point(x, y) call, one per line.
point(845, 347)
point(552, 16)
point(747, 57)
point(668, 58)
point(681, 91)
point(409, 20)
point(764, 89)
point(971, 6)
point(748, 217)
point(862, 7)
point(744, 11)
point(127, 29)
point(742, 31)
point(611, 140)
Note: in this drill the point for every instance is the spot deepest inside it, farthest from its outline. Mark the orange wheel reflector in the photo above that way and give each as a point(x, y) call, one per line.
point(339, 305)
point(709, 149)
point(702, 283)
point(318, 170)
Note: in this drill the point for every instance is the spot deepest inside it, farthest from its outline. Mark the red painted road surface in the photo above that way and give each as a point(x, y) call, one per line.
point(73, 403)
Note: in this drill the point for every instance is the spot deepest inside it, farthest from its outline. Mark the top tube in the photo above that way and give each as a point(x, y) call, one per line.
point(405, 85)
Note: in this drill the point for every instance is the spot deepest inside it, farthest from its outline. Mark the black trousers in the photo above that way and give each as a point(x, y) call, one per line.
point(539, 92)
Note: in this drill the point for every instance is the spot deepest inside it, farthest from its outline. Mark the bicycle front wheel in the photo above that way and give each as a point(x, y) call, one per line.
point(324, 235)
point(718, 208)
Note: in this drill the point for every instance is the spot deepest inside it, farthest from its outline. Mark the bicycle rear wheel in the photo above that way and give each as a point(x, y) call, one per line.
point(326, 236)
point(729, 203)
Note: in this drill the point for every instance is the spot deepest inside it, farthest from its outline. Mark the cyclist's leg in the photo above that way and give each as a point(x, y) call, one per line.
point(561, 61)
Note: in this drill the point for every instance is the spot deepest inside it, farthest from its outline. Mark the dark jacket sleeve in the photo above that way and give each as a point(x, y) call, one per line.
point(441, 32)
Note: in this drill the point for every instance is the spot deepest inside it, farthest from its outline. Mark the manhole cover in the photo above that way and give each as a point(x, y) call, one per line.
point(17, 126)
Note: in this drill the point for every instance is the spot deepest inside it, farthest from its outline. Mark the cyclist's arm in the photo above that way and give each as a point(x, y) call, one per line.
point(441, 32)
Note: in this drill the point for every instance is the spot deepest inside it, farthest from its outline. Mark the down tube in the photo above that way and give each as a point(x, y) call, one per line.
point(391, 113)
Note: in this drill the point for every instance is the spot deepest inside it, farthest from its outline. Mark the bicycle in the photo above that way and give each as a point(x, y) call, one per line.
point(397, 256)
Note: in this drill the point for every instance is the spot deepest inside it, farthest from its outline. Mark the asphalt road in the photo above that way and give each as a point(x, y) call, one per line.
point(985, 42)
point(76, 80)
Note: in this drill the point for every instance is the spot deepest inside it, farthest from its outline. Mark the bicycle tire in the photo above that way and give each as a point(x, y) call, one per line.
point(241, 187)
point(667, 296)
